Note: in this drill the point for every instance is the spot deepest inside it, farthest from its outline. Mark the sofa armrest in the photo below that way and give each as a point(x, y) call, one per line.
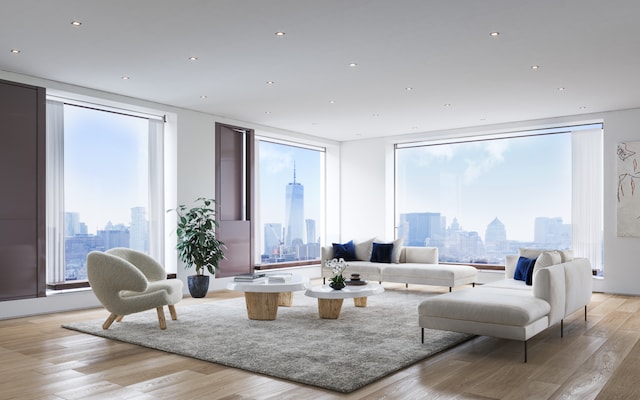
point(549, 284)
point(579, 283)
point(326, 253)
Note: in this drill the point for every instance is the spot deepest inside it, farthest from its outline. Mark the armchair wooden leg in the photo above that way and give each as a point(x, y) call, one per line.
point(109, 321)
point(172, 311)
point(161, 318)
point(119, 319)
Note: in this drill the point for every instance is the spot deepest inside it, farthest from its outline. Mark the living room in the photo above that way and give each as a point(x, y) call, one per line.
point(357, 168)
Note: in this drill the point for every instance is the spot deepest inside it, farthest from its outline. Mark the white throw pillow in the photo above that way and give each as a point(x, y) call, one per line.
point(530, 253)
point(423, 255)
point(546, 259)
point(566, 255)
point(363, 249)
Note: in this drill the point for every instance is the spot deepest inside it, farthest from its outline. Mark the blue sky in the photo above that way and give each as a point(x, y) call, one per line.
point(276, 172)
point(514, 180)
point(106, 166)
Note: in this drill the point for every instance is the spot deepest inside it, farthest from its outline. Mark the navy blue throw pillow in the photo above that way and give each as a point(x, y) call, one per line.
point(381, 252)
point(524, 270)
point(346, 251)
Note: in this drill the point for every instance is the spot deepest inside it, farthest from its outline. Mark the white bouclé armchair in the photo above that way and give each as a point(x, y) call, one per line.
point(127, 281)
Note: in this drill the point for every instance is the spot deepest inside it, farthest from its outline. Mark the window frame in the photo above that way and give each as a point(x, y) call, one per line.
point(595, 255)
point(55, 187)
point(258, 232)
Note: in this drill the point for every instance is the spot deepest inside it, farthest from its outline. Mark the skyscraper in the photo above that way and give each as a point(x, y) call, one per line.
point(294, 212)
point(552, 233)
point(418, 229)
point(495, 239)
point(311, 231)
point(139, 229)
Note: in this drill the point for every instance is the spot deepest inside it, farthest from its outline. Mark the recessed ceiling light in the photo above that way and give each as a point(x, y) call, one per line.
point(193, 58)
point(204, 96)
point(375, 115)
point(535, 67)
point(76, 23)
point(270, 82)
point(332, 102)
point(15, 51)
point(408, 88)
point(447, 104)
point(280, 33)
point(267, 112)
point(561, 89)
point(353, 65)
point(494, 34)
point(126, 78)
point(582, 107)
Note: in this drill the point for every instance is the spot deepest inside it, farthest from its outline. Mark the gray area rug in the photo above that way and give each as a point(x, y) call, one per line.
point(362, 346)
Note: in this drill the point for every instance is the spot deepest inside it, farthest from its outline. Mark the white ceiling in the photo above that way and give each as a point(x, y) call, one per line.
point(460, 75)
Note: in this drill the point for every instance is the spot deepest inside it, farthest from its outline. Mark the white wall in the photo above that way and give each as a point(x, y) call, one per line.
point(367, 184)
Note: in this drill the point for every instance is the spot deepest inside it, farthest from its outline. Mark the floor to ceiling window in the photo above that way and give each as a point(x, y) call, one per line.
point(102, 171)
point(289, 201)
point(480, 199)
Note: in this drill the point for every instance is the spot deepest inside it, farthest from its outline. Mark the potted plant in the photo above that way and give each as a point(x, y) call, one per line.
point(197, 243)
point(337, 282)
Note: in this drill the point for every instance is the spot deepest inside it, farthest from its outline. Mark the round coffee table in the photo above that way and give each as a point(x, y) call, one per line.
point(263, 298)
point(330, 300)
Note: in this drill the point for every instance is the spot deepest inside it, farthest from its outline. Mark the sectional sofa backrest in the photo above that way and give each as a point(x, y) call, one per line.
point(566, 286)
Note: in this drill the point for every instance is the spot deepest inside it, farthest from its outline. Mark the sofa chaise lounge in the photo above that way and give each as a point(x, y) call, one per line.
point(511, 309)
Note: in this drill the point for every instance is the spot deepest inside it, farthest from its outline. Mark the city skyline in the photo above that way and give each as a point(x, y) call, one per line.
point(478, 181)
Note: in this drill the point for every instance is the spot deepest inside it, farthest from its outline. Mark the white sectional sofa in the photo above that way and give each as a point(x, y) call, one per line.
point(415, 265)
point(511, 309)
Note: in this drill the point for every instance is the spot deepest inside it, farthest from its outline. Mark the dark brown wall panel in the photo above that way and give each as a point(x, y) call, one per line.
point(22, 193)
point(234, 182)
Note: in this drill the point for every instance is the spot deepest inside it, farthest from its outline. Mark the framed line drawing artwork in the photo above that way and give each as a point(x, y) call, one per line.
point(628, 196)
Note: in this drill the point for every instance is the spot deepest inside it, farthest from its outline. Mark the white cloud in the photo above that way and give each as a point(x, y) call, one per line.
point(490, 154)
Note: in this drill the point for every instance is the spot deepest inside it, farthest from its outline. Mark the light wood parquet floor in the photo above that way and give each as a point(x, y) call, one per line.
point(596, 359)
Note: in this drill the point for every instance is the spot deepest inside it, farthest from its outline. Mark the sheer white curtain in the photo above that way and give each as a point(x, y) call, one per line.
point(156, 189)
point(55, 192)
point(587, 181)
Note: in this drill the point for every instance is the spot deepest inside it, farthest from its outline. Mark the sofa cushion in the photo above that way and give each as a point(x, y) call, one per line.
point(363, 250)
point(524, 270)
point(429, 274)
point(547, 259)
point(425, 255)
point(347, 251)
point(381, 252)
point(489, 305)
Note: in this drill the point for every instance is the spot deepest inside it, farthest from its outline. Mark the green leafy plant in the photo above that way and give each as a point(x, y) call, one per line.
point(197, 242)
